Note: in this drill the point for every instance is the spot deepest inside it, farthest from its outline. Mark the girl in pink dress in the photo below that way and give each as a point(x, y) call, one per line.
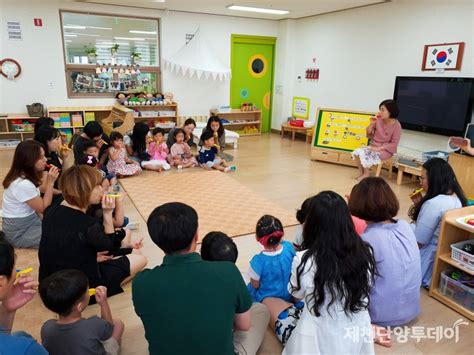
point(119, 163)
point(180, 152)
point(384, 133)
point(158, 151)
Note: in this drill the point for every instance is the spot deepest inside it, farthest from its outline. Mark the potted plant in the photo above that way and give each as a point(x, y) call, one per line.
point(91, 54)
point(114, 49)
point(135, 57)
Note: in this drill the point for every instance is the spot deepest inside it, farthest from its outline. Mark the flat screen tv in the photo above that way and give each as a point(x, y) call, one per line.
point(435, 105)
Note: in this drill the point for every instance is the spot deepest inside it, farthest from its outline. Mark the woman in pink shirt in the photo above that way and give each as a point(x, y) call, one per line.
point(384, 133)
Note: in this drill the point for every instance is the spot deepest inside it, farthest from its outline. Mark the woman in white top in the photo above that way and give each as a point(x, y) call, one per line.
point(443, 193)
point(332, 275)
point(22, 203)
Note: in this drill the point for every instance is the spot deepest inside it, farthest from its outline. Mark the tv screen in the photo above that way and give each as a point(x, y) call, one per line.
point(435, 105)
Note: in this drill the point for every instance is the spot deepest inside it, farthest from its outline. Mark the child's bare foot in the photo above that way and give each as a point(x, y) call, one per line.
point(382, 336)
point(358, 176)
point(362, 177)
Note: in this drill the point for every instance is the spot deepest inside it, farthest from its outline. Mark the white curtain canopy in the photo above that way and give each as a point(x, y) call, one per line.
point(197, 58)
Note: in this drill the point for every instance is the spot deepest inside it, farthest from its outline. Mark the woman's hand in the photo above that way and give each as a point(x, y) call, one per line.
point(108, 204)
point(100, 143)
point(53, 174)
point(101, 256)
point(22, 292)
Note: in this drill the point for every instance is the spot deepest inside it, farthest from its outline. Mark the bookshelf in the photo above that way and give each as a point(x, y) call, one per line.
point(15, 127)
point(451, 232)
point(164, 116)
point(245, 123)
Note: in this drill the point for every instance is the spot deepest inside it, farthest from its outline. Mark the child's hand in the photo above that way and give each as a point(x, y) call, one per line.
point(22, 292)
point(108, 203)
point(101, 256)
point(101, 295)
point(138, 244)
point(100, 143)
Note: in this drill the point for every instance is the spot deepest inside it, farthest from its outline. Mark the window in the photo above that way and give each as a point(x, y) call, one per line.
point(106, 54)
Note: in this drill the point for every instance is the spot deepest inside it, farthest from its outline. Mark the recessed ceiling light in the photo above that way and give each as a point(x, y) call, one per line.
point(130, 38)
point(257, 9)
point(143, 32)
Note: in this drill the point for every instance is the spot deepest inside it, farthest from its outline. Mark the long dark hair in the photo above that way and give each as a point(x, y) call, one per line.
point(214, 118)
point(140, 131)
point(44, 135)
point(441, 181)
point(345, 265)
point(26, 155)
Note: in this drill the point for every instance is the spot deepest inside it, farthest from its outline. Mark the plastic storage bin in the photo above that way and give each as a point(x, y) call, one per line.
point(425, 156)
point(457, 291)
point(462, 257)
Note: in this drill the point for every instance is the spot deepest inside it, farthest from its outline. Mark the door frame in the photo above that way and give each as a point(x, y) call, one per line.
point(249, 39)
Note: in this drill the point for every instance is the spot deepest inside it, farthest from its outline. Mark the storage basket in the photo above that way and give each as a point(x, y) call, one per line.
point(457, 291)
point(462, 257)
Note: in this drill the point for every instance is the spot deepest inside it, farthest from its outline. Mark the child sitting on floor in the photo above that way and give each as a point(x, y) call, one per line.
point(300, 217)
point(217, 246)
point(158, 151)
point(67, 293)
point(180, 152)
point(119, 163)
point(208, 158)
point(270, 269)
point(91, 158)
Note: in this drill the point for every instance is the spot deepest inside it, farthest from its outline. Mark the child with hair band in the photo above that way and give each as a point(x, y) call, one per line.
point(180, 152)
point(158, 151)
point(91, 158)
point(119, 163)
point(270, 270)
point(208, 158)
point(67, 293)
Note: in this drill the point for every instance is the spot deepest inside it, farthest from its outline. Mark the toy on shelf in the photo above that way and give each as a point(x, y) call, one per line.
point(142, 99)
point(247, 106)
point(22, 126)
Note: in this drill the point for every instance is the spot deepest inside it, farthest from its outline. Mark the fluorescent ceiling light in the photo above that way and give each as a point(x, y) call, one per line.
point(75, 27)
point(81, 34)
point(100, 28)
point(80, 27)
point(143, 32)
point(68, 41)
point(130, 38)
point(70, 35)
point(257, 9)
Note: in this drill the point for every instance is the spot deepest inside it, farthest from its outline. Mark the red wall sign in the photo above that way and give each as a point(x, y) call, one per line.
point(38, 22)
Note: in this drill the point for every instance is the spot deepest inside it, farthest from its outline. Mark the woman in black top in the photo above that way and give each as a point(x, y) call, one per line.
point(50, 139)
point(73, 240)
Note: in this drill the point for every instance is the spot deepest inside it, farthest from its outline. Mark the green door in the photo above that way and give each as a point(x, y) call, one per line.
point(252, 61)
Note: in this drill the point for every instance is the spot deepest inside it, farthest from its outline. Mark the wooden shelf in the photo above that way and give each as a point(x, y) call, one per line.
point(451, 233)
point(154, 117)
point(79, 108)
point(250, 134)
point(14, 117)
point(452, 304)
point(447, 259)
point(241, 123)
point(234, 111)
point(150, 106)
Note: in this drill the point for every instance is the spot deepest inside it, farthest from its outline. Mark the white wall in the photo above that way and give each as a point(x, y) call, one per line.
point(41, 55)
point(360, 52)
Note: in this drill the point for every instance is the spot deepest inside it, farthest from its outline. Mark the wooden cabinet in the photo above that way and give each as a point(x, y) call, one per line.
point(451, 232)
point(463, 166)
point(164, 116)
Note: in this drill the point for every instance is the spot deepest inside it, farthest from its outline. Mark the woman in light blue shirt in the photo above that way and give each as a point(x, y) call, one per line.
point(395, 294)
point(443, 193)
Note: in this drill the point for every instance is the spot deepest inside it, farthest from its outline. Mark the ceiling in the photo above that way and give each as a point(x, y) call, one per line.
point(297, 8)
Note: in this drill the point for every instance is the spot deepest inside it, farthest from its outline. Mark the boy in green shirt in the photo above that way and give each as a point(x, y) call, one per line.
point(187, 305)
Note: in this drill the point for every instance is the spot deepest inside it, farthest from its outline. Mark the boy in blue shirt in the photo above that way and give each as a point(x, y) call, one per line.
point(208, 158)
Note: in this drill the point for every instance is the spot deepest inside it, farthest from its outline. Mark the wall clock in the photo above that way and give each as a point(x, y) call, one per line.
point(10, 68)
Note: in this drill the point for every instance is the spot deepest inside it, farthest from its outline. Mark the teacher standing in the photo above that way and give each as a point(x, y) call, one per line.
point(384, 133)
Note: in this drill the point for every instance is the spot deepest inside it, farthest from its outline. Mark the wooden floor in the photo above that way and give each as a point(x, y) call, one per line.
point(281, 171)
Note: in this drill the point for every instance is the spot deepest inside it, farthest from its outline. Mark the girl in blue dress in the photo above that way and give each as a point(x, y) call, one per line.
point(270, 269)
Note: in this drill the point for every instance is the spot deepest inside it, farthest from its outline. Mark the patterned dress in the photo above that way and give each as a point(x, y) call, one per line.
point(120, 166)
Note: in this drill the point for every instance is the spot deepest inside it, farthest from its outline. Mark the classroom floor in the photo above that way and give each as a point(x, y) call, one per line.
point(281, 171)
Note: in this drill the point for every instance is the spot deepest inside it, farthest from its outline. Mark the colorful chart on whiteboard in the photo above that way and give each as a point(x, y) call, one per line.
point(343, 130)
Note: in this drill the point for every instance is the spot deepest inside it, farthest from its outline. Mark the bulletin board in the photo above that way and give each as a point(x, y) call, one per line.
point(300, 108)
point(341, 129)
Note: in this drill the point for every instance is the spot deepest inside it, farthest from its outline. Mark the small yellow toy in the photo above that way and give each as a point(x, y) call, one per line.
point(24, 271)
point(91, 291)
point(420, 190)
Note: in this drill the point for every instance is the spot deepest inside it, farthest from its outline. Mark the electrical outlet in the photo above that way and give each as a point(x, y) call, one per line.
point(51, 85)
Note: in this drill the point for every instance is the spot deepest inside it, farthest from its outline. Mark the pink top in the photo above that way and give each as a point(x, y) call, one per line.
point(386, 136)
point(181, 150)
point(158, 152)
